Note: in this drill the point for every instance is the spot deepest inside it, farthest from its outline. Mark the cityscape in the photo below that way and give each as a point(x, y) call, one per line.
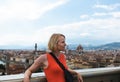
point(91, 29)
point(17, 61)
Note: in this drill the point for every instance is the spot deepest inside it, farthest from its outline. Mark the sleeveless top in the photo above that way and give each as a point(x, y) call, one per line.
point(54, 72)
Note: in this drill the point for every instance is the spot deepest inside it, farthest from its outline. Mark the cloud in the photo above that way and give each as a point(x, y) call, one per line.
point(84, 34)
point(12, 39)
point(91, 29)
point(107, 7)
point(23, 10)
point(115, 14)
point(102, 28)
point(26, 9)
point(100, 14)
point(84, 16)
point(94, 29)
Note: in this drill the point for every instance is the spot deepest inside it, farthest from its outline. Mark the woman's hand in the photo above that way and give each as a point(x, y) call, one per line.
point(80, 79)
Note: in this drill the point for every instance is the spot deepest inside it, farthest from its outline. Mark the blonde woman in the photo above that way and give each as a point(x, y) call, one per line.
point(52, 70)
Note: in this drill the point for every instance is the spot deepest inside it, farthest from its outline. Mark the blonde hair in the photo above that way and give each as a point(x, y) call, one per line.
point(52, 44)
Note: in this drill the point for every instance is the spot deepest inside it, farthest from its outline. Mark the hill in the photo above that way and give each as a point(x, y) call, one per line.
point(109, 46)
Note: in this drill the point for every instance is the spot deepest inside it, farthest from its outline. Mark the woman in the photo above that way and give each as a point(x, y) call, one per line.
point(51, 69)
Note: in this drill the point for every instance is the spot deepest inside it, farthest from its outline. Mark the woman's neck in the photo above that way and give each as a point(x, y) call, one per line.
point(56, 54)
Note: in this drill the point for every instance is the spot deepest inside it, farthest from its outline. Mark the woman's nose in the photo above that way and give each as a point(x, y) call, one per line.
point(65, 44)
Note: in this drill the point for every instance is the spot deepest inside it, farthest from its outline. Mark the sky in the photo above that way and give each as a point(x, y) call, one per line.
point(86, 22)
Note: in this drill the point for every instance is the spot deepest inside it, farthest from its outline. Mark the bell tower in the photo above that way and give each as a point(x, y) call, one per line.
point(36, 49)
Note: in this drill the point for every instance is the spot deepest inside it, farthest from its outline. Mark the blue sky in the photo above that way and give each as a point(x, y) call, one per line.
point(25, 22)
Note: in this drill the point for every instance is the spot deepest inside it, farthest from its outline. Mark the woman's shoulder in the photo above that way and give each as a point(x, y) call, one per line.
point(42, 57)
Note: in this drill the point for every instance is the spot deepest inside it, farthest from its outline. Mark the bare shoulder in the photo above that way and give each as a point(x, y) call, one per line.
point(42, 58)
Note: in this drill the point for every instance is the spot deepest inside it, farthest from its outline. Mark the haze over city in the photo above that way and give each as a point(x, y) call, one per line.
point(26, 22)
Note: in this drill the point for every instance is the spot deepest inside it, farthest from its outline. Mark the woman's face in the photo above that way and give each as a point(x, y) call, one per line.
point(61, 44)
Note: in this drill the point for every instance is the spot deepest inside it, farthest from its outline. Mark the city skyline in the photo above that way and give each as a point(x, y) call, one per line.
point(26, 22)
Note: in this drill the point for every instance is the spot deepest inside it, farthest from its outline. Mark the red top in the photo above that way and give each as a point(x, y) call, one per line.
point(53, 72)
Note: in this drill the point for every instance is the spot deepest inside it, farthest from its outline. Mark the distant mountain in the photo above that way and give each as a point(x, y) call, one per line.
point(109, 46)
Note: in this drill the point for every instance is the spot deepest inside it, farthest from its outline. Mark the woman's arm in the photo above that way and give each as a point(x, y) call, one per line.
point(27, 76)
point(39, 62)
point(74, 72)
point(78, 75)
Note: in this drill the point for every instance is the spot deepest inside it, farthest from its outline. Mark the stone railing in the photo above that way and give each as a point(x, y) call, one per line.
point(111, 74)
